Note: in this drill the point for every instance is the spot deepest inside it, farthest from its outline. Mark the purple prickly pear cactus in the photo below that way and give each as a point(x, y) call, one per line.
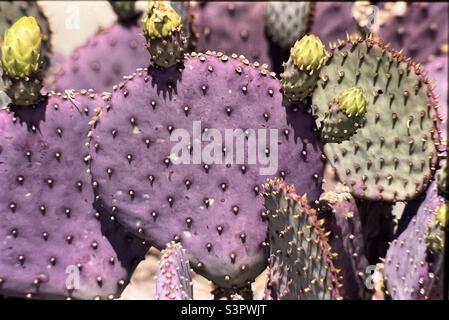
point(53, 243)
point(359, 233)
point(333, 20)
point(212, 209)
point(422, 31)
point(104, 59)
point(411, 269)
point(174, 281)
point(232, 27)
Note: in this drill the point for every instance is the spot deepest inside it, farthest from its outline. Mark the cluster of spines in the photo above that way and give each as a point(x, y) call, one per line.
point(276, 187)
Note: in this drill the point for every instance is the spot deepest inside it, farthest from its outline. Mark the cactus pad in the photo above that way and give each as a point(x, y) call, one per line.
point(212, 209)
point(392, 156)
point(174, 280)
point(287, 21)
point(301, 261)
point(103, 60)
point(232, 27)
point(49, 230)
point(411, 269)
point(422, 31)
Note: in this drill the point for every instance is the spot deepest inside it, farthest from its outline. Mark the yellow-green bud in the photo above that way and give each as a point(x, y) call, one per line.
point(161, 20)
point(308, 53)
point(21, 48)
point(353, 101)
point(442, 217)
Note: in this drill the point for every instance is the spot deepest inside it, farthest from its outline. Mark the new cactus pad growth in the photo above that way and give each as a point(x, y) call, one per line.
point(174, 281)
point(21, 48)
point(302, 68)
point(392, 154)
point(301, 259)
point(162, 28)
point(346, 114)
point(11, 11)
point(21, 61)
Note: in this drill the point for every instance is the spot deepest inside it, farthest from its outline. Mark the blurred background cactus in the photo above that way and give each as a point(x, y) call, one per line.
point(358, 92)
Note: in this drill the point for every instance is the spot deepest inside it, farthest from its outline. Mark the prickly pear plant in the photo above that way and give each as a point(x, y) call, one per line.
point(108, 55)
point(162, 28)
point(377, 114)
point(360, 232)
point(11, 11)
point(333, 20)
point(231, 27)
point(413, 267)
point(422, 31)
point(288, 20)
point(210, 206)
point(262, 31)
point(174, 280)
point(342, 218)
point(301, 260)
point(21, 61)
point(53, 242)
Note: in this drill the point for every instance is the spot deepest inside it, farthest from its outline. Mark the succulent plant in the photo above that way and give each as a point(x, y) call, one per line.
point(21, 61)
point(174, 281)
point(162, 28)
point(54, 243)
point(262, 31)
point(232, 27)
point(288, 20)
point(360, 233)
point(421, 32)
point(203, 203)
point(413, 267)
point(111, 53)
point(301, 71)
point(184, 205)
point(390, 154)
point(301, 260)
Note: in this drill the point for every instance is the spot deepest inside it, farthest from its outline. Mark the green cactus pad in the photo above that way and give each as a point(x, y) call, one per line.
point(21, 48)
point(301, 265)
point(301, 70)
point(392, 155)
